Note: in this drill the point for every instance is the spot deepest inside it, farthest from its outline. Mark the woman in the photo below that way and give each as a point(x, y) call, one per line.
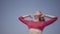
point(36, 26)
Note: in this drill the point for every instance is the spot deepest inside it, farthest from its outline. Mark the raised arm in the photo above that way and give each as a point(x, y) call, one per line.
point(51, 20)
point(22, 19)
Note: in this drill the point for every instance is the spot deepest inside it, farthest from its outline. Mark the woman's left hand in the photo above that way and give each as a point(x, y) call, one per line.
point(43, 15)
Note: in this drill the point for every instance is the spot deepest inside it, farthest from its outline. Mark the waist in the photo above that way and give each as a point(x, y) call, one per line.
point(33, 29)
point(41, 29)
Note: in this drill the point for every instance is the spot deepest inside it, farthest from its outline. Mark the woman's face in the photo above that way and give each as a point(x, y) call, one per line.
point(37, 13)
point(38, 16)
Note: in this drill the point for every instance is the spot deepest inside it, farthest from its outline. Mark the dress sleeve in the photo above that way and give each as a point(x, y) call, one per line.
point(48, 22)
point(23, 20)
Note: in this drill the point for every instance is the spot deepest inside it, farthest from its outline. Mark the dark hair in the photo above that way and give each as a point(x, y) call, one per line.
point(41, 19)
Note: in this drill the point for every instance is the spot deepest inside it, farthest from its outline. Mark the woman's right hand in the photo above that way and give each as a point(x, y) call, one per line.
point(30, 16)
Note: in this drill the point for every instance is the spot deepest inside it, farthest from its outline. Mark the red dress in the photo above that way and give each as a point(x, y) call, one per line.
point(37, 25)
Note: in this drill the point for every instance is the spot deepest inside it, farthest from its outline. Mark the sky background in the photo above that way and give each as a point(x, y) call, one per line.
point(10, 10)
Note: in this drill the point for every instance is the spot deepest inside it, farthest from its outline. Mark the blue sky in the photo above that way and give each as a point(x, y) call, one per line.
point(12, 9)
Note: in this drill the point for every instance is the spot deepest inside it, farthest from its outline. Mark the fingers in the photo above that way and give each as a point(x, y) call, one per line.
point(30, 15)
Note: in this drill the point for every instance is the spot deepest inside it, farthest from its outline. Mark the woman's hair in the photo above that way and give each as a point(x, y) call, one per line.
point(40, 18)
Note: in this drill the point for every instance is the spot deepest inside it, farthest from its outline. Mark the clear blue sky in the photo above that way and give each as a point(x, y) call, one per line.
point(10, 10)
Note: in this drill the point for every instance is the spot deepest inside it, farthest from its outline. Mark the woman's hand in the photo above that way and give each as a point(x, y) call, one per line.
point(29, 15)
point(49, 16)
point(43, 15)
